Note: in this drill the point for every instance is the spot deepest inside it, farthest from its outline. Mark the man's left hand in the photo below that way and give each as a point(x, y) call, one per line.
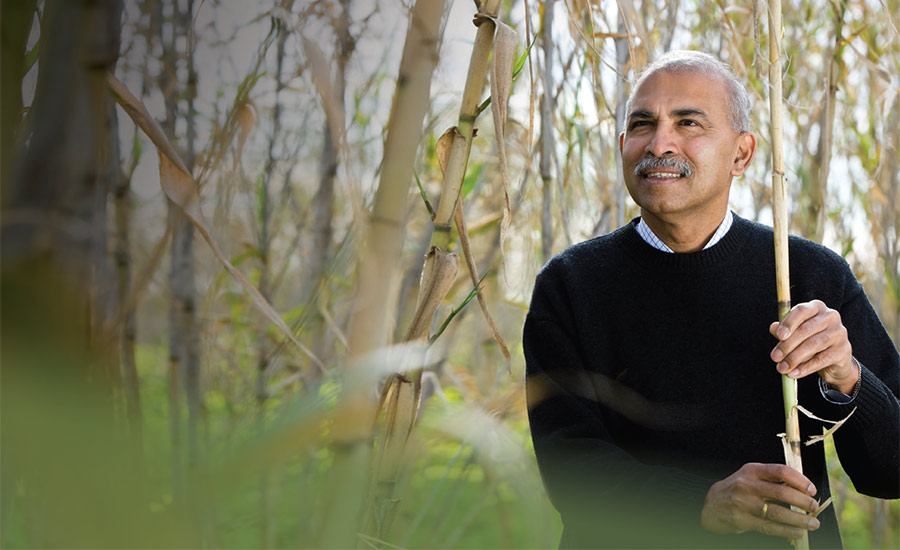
point(812, 338)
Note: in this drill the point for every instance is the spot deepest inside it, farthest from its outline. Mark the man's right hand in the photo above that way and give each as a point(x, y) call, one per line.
point(753, 499)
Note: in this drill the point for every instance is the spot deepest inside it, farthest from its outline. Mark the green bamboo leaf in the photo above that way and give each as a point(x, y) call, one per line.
point(520, 63)
point(261, 197)
point(32, 56)
point(424, 197)
point(472, 294)
point(137, 148)
point(471, 180)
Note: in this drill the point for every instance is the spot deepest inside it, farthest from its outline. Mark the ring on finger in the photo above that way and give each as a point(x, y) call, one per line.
point(765, 509)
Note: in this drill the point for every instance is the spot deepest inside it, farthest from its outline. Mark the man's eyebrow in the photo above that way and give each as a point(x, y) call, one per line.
point(682, 113)
point(640, 113)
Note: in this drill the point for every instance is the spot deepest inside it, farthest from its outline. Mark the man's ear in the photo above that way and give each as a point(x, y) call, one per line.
point(621, 141)
point(746, 148)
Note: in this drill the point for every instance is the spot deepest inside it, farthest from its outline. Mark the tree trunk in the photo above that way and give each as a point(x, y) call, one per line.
point(547, 138)
point(323, 201)
point(183, 263)
point(56, 173)
point(183, 340)
point(54, 178)
point(264, 348)
point(128, 330)
point(15, 25)
point(818, 185)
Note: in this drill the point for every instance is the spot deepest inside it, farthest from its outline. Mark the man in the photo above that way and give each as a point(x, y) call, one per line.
point(653, 359)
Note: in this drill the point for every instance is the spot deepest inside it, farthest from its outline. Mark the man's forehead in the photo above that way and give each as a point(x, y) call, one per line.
point(683, 91)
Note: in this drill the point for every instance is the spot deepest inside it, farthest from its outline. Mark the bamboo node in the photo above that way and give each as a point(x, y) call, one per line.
point(375, 218)
point(480, 18)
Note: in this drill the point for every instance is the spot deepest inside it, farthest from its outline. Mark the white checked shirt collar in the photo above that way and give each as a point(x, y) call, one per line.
point(650, 238)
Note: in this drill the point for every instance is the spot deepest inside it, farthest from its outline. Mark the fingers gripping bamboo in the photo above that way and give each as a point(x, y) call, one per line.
point(780, 222)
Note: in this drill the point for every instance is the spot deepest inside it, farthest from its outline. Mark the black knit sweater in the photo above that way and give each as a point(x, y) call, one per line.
point(649, 379)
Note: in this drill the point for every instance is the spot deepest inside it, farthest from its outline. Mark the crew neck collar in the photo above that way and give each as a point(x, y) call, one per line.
point(723, 249)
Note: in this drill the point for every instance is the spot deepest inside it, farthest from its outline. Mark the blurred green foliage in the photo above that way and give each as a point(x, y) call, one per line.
point(78, 481)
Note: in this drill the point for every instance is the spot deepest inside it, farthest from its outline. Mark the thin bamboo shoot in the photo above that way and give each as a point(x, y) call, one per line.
point(780, 222)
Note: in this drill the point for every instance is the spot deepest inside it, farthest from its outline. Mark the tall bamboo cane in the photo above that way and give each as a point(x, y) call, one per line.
point(780, 222)
point(352, 423)
point(400, 395)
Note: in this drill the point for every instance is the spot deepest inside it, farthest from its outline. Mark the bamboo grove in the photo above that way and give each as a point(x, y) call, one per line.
point(265, 264)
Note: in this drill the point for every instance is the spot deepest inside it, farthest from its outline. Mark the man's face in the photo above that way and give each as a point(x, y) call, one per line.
point(679, 136)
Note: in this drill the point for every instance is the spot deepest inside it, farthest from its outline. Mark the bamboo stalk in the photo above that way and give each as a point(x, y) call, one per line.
point(780, 222)
point(547, 139)
point(352, 423)
point(823, 156)
point(401, 393)
point(459, 152)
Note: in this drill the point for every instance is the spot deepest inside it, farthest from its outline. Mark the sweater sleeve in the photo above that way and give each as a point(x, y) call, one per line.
point(868, 445)
point(599, 489)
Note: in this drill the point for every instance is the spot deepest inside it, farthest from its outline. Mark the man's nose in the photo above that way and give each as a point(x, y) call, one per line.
point(664, 141)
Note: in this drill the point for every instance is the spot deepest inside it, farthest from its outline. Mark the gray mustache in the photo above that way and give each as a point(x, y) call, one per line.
point(649, 163)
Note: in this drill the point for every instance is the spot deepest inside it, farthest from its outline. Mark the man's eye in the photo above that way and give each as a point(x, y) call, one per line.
point(688, 122)
point(639, 123)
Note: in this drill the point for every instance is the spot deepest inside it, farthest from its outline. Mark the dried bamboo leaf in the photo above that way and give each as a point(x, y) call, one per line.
point(142, 118)
point(808, 414)
point(321, 76)
point(830, 431)
point(179, 186)
point(366, 368)
point(452, 156)
point(501, 81)
point(473, 274)
point(443, 146)
point(246, 118)
point(823, 506)
point(401, 417)
point(438, 275)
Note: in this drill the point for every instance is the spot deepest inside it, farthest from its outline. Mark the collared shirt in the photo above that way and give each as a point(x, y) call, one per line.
point(832, 395)
point(650, 237)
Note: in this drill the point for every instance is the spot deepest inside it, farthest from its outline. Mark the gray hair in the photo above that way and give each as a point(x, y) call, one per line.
point(687, 61)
